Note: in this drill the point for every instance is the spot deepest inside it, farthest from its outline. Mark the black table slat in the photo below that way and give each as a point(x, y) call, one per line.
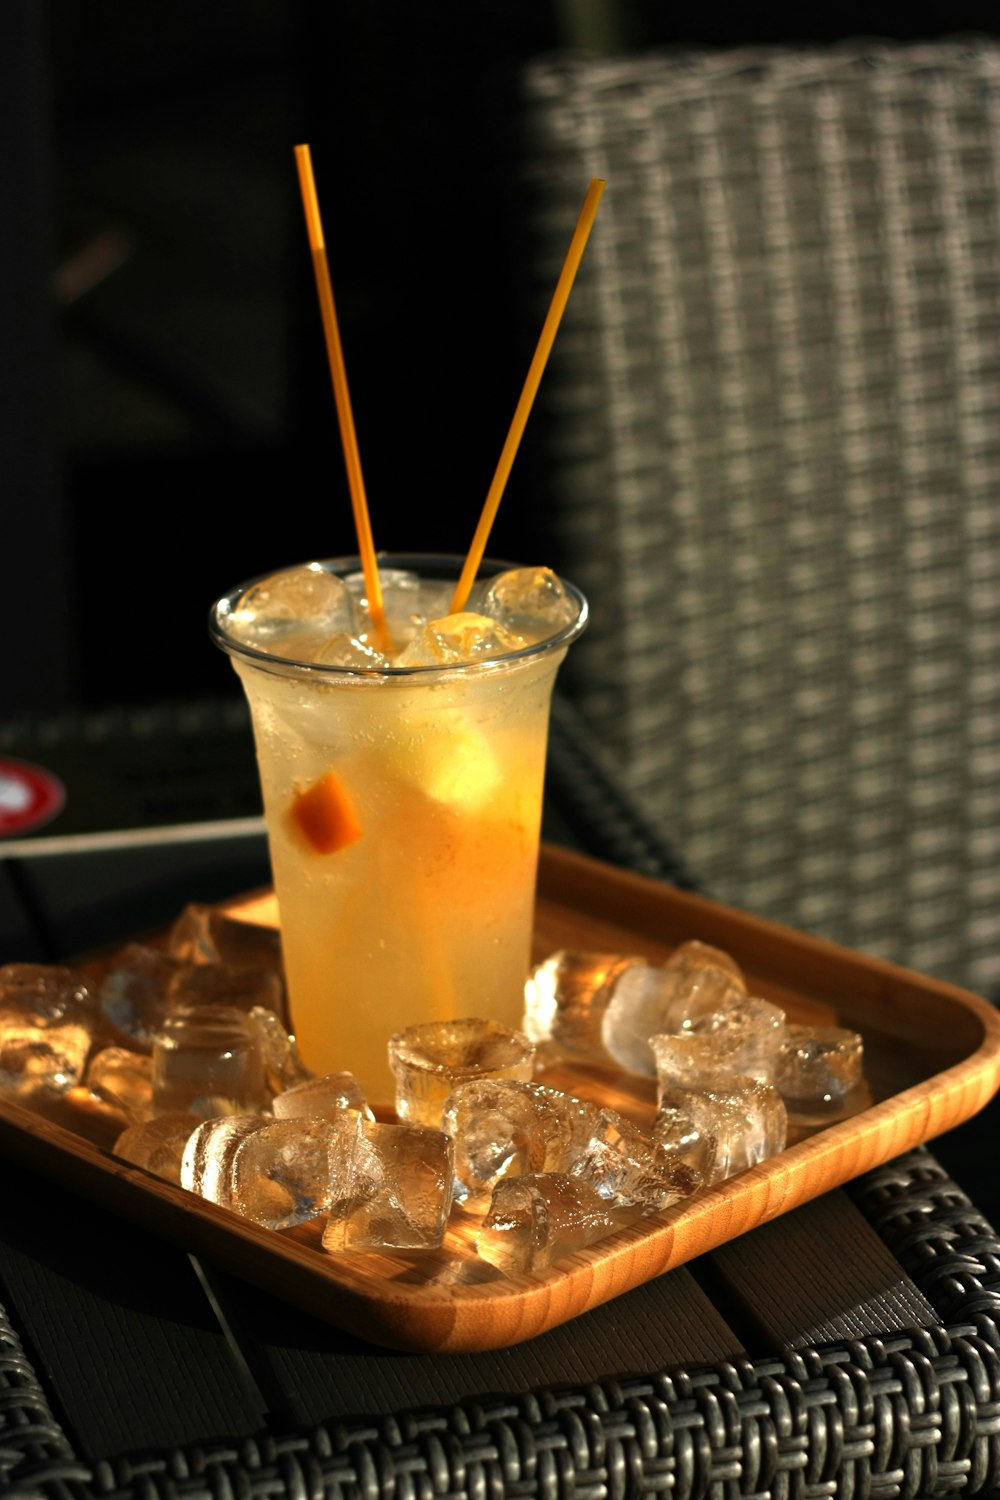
point(816, 1274)
point(116, 1325)
point(308, 1372)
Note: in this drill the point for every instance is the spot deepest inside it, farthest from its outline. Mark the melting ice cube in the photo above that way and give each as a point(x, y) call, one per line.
point(630, 1168)
point(290, 1171)
point(47, 1026)
point(207, 1158)
point(694, 954)
point(430, 1059)
point(565, 998)
point(124, 1078)
point(133, 993)
point(820, 1074)
point(699, 1058)
point(533, 1221)
point(530, 603)
point(503, 1128)
point(43, 993)
point(347, 651)
point(33, 1058)
point(222, 984)
point(293, 612)
point(283, 1066)
point(158, 1145)
point(455, 640)
point(755, 1029)
point(723, 1128)
point(654, 999)
point(205, 934)
point(398, 1193)
point(325, 1097)
point(208, 1061)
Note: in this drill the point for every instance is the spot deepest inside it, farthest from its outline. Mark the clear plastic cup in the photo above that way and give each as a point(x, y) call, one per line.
point(427, 912)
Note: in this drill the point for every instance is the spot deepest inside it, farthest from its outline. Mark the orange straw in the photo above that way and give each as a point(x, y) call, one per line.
point(546, 339)
point(359, 503)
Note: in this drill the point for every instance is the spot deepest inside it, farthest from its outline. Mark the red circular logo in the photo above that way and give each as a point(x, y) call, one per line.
point(29, 796)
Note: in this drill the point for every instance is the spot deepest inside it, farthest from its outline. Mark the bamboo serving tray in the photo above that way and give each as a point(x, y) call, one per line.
point(932, 1055)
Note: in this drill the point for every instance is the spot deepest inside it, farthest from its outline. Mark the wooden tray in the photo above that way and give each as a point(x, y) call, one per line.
point(933, 1060)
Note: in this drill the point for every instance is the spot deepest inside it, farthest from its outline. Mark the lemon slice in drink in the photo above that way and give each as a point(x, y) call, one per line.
point(447, 758)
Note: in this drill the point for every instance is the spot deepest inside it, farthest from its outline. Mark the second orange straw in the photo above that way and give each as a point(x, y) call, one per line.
point(545, 341)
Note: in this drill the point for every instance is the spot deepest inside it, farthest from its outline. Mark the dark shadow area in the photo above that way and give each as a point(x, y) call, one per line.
point(169, 420)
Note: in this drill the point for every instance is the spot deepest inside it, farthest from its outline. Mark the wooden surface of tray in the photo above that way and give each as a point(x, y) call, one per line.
point(932, 1055)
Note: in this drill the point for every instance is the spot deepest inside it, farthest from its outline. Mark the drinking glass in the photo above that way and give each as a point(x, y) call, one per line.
point(427, 912)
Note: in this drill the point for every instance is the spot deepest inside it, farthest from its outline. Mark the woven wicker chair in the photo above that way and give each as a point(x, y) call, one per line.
point(770, 429)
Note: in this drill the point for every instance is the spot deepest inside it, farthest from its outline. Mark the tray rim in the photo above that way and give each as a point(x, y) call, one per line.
point(439, 1318)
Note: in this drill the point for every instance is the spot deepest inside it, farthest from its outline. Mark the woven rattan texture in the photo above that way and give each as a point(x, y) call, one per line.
point(913, 1414)
point(936, 1233)
point(607, 820)
point(771, 434)
point(30, 1436)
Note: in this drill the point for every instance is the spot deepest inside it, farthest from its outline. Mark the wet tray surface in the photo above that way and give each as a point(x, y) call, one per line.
point(932, 1059)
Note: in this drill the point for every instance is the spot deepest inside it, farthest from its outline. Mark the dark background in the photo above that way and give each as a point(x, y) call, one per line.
point(167, 419)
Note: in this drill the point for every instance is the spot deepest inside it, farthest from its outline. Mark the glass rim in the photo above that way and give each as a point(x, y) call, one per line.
point(445, 565)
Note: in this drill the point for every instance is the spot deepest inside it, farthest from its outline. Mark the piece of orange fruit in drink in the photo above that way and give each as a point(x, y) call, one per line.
point(323, 812)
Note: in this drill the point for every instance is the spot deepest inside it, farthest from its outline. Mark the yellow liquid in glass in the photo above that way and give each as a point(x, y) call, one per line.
point(429, 914)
